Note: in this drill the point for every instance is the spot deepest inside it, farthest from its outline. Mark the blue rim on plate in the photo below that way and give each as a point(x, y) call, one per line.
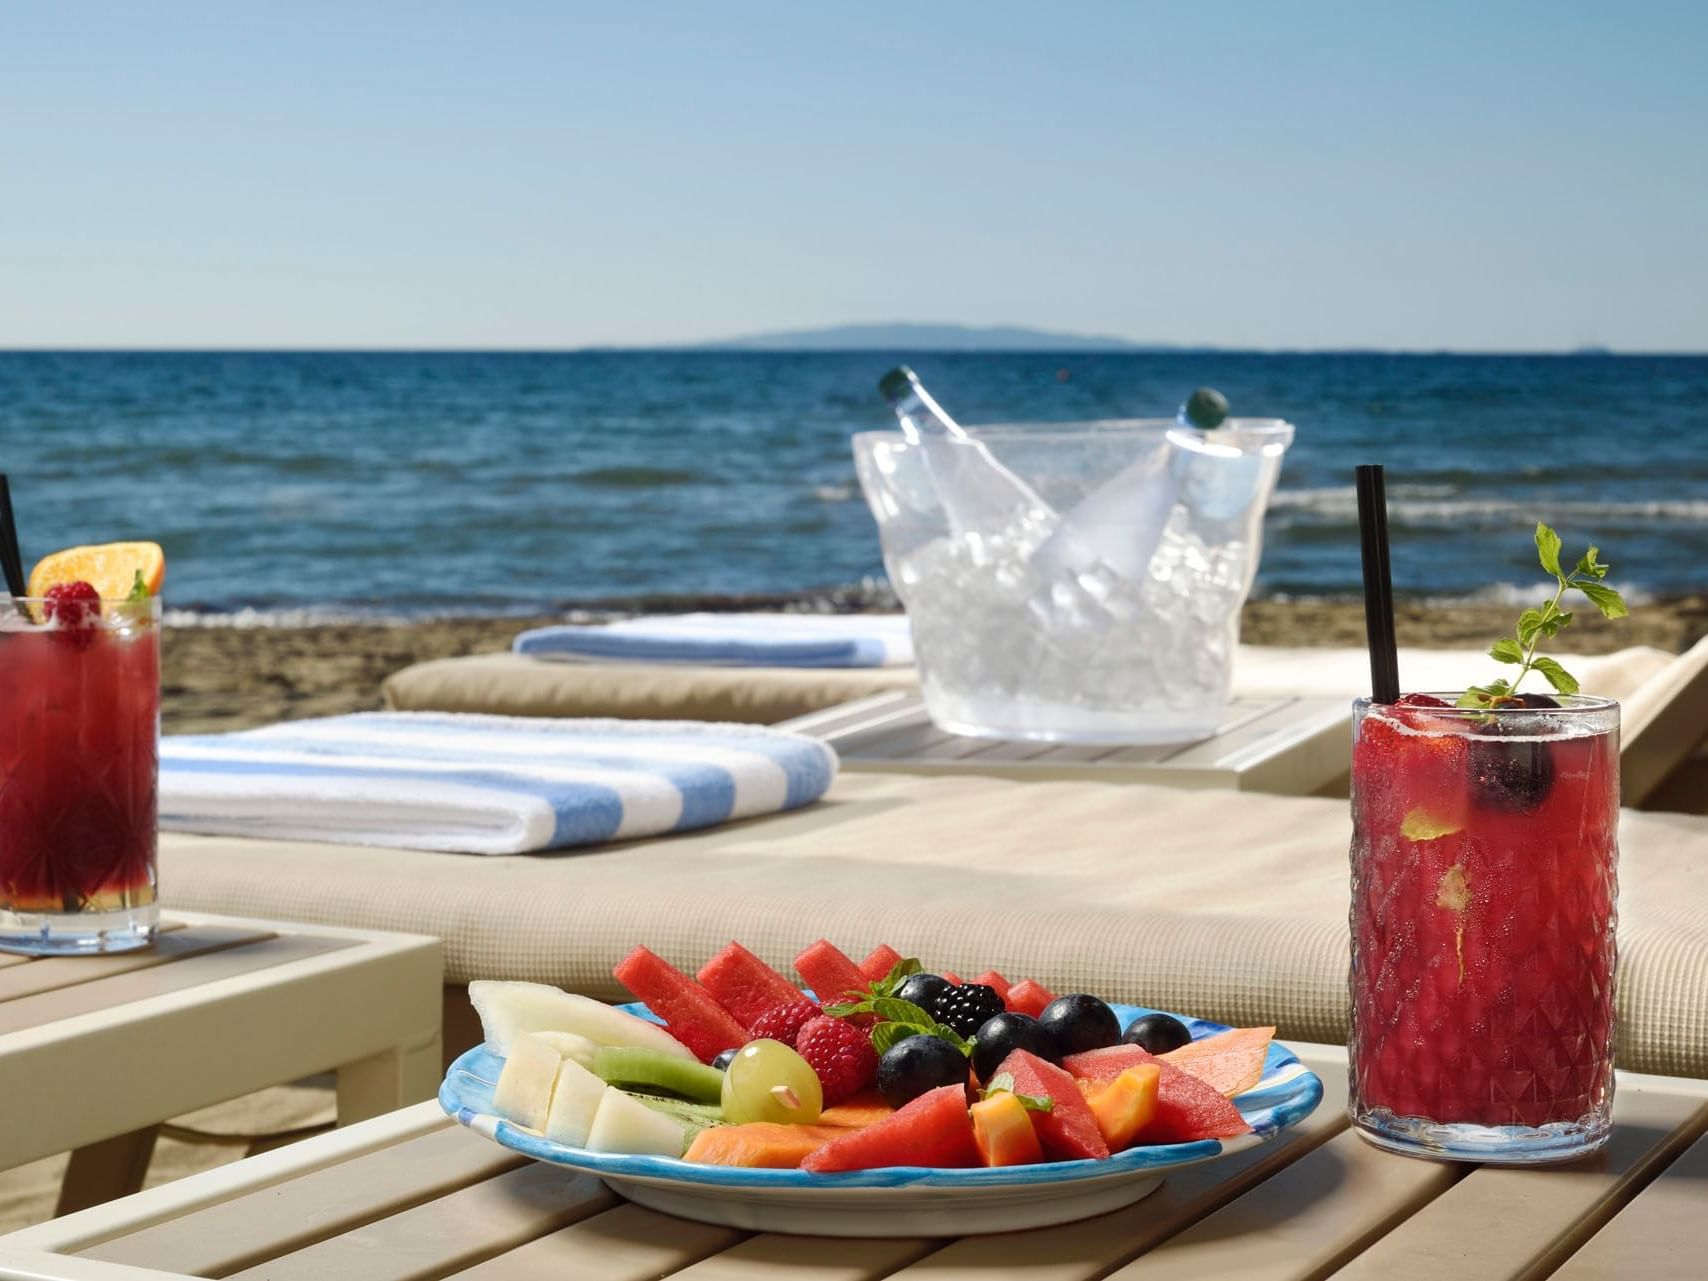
point(1287, 1093)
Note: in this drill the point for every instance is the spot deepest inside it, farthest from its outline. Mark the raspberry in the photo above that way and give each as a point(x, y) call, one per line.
point(783, 1022)
point(74, 607)
point(841, 1054)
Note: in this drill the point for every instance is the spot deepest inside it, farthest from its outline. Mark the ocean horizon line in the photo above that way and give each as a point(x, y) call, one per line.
point(722, 349)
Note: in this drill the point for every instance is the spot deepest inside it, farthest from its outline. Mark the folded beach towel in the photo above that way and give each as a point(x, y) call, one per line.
point(744, 640)
point(482, 784)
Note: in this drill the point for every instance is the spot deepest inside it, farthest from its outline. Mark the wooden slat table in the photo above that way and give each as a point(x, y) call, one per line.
point(410, 1197)
point(1289, 746)
point(98, 1050)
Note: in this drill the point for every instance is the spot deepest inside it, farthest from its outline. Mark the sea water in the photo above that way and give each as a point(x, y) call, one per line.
point(298, 483)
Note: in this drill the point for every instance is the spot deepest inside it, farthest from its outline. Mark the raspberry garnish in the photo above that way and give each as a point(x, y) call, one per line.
point(841, 1054)
point(74, 607)
point(783, 1022)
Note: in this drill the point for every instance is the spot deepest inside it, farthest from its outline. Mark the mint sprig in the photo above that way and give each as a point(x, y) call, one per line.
point(1537, 625)
point(901, 1019)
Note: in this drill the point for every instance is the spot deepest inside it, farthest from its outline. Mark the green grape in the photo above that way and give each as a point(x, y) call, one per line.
point(767, 1081)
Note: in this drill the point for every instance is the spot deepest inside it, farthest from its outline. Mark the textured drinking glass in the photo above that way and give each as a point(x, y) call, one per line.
point(79, 752)
point(1484, 856)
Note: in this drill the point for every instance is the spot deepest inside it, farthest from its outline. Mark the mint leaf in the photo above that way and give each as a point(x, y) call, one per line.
point(887, 1035)
point(1003, 1083)
point(1529, 627)
point(1484, 696)
point(1562, 680)
point(1506, 650)
point(1590, 566)
point(1609, 602)
point(139, 589)
point(1548, 550)
point(899, 973)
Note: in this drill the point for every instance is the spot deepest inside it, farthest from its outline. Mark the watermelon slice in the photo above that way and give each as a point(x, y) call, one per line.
point(744, 985)
point(688, 1010)
point(951, 976)
point(878, 965)
point(1232, 1061)
point(991, 979)
point(830, 974)
point(933, 1130)
point(1028, 997)
point(1069, 1130)
point(1187, 1109)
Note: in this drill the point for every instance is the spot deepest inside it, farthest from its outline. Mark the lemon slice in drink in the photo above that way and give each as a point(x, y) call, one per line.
point(110, 568)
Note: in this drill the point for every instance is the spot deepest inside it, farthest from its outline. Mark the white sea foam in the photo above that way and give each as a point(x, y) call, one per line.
point(1435, 504)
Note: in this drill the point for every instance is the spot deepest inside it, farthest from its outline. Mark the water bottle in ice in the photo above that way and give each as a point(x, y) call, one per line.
point(980, 497)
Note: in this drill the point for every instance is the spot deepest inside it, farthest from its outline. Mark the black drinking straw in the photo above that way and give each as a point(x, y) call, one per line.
point(1378, 584)
point(11, 560)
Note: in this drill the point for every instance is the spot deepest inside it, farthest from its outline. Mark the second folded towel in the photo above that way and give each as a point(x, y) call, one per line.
point(737, 640)
point(482, 784)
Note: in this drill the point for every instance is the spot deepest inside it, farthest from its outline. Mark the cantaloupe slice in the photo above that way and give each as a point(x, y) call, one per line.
point(1232, 1061)
point(761, 1144)
point(857, 1112)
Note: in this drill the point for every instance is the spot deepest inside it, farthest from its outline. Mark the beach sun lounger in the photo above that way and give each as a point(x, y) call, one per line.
point(1229, 905)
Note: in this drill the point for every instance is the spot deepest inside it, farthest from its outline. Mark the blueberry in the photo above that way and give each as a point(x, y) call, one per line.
point(924, 990)
point(1000, 1036)
point(722, 1062)
point(916, 1064)
point(1508, 772)
point(1080, 1022)
point(1157, 1033)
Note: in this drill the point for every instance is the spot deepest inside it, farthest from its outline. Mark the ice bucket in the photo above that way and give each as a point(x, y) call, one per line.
point(1074, 582)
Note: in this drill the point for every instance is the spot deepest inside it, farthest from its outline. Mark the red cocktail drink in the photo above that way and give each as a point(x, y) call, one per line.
point(1483, 888)
point(79, 734)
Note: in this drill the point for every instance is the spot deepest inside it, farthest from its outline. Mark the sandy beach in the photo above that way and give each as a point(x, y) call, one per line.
point(220, 677)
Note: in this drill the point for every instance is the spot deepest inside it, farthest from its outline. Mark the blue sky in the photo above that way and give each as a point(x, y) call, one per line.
point(1512, 176)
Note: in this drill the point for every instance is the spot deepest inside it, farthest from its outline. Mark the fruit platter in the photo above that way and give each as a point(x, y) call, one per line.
point(905, 1102)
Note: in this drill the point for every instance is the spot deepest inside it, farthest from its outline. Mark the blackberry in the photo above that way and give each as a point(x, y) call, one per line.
point(1516, 774)
point(966, 1008)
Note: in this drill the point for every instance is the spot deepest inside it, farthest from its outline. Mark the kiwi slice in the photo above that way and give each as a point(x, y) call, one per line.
point(658, 1073)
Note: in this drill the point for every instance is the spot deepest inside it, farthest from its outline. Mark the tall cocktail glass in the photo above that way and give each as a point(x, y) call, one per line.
point(79, 750)
point(1484, 856)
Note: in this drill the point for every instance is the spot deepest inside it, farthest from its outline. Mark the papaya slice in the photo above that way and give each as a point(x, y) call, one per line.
point(1232, 1061)
point(764, 1145)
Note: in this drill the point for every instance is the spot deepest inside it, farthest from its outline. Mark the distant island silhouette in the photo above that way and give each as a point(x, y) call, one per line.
point(922, 337)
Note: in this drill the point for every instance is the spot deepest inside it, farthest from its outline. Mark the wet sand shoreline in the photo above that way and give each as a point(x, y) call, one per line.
point(223, 677)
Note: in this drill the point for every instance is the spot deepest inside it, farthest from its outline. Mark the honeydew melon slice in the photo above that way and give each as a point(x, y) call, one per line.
point(569, 1045)
point(509, 1009)
point(625, 1124)
point(575, 1102)
point(523, 1095)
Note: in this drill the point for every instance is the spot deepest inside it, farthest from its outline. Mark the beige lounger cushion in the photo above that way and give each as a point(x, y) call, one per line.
point(512, 685)
point(1228, 905)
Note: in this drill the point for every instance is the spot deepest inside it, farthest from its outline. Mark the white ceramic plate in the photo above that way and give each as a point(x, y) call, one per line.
point(894, 1200)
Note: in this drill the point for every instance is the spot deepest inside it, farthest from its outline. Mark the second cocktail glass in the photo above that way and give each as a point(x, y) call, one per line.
point(1483, 908)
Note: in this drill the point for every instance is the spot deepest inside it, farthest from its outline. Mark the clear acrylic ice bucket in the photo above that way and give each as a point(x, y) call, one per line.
point(1075, 582)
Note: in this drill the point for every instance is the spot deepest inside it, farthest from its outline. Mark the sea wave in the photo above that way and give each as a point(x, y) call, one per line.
point(1406, 505)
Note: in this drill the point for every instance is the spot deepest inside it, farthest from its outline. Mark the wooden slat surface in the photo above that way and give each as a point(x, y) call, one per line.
point(627, 1243)
point(137, 985)
point(1661, 1236)
point(1316, 1203)
point(9, 959)
point(55, 973)
point(247, 1230)
point(448, 1234)
point(1517, 1224)
point(893, 731)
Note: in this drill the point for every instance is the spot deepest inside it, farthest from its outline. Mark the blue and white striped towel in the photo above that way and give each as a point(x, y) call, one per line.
point(482, 784)
point(733, 640)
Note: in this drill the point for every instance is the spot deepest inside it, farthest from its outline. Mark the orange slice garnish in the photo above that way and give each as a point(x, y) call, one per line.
point(110, 568)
